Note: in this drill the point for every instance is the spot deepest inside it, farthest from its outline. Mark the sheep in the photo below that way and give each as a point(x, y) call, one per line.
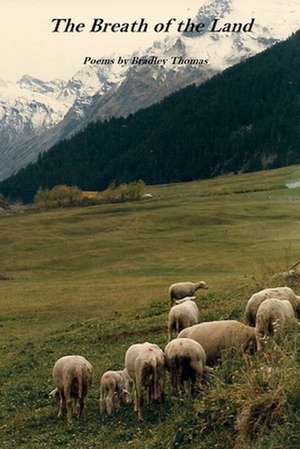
point(183, 314)
point(186, 361)
point(115, 389)
point(281, 293)
point(72, 376)
point(183, 289)
point(271, 314)
point(145, 364)
point(216, 336)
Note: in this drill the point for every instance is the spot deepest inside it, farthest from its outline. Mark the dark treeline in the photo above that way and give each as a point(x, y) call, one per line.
point(245, 119)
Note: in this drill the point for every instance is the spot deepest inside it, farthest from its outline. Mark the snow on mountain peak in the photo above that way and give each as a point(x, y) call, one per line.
point(210, 11)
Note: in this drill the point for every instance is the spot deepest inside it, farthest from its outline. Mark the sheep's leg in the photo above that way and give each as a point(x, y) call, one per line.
point(102, 398)
point(140, 403)
point(69, 403)
point(109, 404)
point(81, 406)
point(102, 405)
point(61, 405)
point(150, 393)
point(174, 377)
point(135, 401)
point(180, 380)
point(261, 332)
point(170, 333)
point(117, 400)
point(140, 397)
point(186, 387)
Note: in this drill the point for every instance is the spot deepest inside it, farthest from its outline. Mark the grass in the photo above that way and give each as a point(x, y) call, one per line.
point(94, 280)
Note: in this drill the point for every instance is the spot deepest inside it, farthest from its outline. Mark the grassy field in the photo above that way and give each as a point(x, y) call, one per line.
point(94, 280)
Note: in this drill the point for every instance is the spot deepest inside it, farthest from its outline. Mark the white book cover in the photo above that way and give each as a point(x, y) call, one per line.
point(149, 224)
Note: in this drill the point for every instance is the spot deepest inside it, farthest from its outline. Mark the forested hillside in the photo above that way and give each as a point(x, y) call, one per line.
point(243, 120)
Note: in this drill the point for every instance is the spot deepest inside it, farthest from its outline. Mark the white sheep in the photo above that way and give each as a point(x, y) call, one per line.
point(271, 315)
point(145, 364)
point(183, 314)
point(72, 376)
point(216, 336)
point(115, 389)
point(183, 289)
point(186, 361)
point(281, 293)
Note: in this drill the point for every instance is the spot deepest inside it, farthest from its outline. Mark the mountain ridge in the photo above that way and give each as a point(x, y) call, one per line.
point(39, 113)
point(244, 119)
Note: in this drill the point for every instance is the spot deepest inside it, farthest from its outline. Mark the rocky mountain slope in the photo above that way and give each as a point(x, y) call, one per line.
point(244, 119)
point(35, 115)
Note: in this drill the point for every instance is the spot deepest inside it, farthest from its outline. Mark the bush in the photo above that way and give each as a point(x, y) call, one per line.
point(252, 397)
point(59, 196)
point(67, 196)
point(3, 202)
point(124, 192)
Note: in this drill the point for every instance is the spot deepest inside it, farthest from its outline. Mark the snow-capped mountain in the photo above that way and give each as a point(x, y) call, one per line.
point(36, 114)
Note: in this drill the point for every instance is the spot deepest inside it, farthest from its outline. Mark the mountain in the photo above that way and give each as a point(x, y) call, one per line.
point(35, 115)
point(31, 108)
point(246, 118)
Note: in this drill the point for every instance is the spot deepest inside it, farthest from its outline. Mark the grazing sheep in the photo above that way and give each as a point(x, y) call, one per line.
point(281, 293)
point(186, 361)
point(183, 289)
point(72, 376)
point(145, 364)
point(271, 314)
point(115, 389)
point(216, 336)
point(184, 314)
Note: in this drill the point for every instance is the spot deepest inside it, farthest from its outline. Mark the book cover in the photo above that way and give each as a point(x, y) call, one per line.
point(149, 224)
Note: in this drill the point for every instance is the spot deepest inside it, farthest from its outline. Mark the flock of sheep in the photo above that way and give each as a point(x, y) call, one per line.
point(187, 358)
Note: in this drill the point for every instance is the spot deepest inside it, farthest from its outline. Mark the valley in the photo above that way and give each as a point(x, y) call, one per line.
point(94, 280)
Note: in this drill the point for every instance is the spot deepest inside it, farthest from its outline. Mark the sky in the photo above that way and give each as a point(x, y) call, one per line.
point(27, 45)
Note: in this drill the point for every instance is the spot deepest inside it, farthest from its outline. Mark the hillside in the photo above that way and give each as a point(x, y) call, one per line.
point(243, 120)
point(94, 281)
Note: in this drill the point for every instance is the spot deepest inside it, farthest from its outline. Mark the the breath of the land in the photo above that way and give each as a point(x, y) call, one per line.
point(99, 25)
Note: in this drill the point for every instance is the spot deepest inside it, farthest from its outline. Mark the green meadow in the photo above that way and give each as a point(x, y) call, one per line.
point(94, 280)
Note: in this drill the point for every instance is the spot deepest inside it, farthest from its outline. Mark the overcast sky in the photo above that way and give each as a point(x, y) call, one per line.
point(28, 46)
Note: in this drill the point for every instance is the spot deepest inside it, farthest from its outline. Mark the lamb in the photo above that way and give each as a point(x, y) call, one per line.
point(115, 389)
point(186, 361)
point(145, 364)
point(281, 293)
point(216, 336)
point(72, 376)
point(271, 314)
point(183, 289)
point(183, 314)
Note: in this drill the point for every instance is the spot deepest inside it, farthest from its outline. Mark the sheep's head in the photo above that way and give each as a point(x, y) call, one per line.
point(251, 344)
point(125, 396)
point(202, 284)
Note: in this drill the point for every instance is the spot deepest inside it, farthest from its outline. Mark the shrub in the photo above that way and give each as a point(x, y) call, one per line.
point(67, 196)
point(3, 202)
point(59, 196)
point(124, 192)
point(251, 397)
